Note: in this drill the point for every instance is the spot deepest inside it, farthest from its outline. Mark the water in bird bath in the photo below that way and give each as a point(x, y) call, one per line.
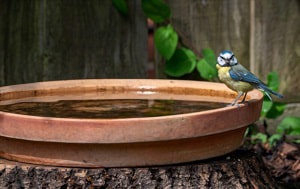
point(109, 108)
point(98, 139)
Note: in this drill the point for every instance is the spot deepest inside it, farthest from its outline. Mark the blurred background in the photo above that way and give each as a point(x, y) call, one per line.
point(42, 40)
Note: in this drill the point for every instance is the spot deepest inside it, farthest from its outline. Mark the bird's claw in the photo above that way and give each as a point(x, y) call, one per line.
point(233, 104)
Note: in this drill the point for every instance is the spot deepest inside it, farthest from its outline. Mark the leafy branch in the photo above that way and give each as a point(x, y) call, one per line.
point(180, 59)
point(290, 125)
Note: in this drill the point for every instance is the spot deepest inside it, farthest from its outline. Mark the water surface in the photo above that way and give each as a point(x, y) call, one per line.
point(107, 109)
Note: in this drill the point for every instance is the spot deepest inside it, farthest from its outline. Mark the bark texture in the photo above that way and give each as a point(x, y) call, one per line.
point(239, 170)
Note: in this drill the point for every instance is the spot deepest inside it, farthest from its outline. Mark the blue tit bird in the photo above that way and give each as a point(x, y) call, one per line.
point(238, 78)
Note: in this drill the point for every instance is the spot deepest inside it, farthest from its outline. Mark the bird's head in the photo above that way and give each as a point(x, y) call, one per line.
point(227, 58)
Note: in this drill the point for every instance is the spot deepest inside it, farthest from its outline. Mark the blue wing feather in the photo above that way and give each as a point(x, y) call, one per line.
point(239, 73)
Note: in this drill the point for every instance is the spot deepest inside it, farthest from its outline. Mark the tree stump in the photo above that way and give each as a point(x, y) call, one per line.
point(239, 169)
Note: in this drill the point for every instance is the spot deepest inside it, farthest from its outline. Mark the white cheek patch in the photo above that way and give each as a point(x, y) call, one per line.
point(221, 62)
point(233, 61)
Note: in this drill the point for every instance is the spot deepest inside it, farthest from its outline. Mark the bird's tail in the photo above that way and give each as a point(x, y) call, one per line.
point(267, 91)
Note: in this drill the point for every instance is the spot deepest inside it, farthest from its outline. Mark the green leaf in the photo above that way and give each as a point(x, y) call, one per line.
point(272, 109)
point(156, 10)
point(210, 57)
point(165, 40)
point(273, 81)
point(267, 105)
point(121, 6)
point(296, 141)
point(289, 125)
point(207, 66)
point(182, 62)
point(276, 110)
point(259, 137)
point(274, 139)
point(205, 70)
point(192, 57)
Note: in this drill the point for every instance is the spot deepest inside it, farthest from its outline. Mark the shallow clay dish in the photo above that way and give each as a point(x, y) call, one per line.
point(128, 141)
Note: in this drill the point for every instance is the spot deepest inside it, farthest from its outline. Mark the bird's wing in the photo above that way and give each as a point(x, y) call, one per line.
point(239, 73)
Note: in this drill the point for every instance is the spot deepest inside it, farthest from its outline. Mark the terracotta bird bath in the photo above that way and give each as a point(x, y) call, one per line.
point(122, 141)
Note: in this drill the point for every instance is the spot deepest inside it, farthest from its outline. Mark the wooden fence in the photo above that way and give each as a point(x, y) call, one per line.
point(52, 40)
point(264, 34)
point(73, 39)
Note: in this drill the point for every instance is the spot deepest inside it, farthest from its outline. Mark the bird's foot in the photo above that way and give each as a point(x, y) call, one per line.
point(245, 102)
point(233, 104)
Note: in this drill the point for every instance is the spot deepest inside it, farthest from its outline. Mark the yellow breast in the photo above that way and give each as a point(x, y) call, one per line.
point(239, 86)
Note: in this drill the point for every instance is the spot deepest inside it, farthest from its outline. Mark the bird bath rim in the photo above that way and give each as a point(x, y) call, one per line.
point(124, 142)
point(43, 129)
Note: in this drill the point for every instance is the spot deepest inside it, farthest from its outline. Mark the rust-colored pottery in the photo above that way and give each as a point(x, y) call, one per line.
point(124, 142)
